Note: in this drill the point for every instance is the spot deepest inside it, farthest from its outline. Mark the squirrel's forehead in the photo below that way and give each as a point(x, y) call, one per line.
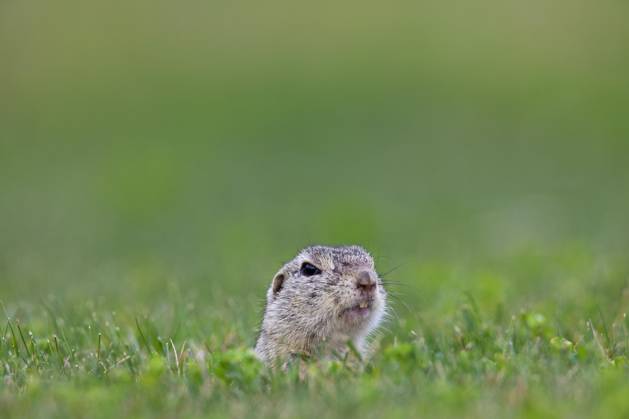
point(336, 257)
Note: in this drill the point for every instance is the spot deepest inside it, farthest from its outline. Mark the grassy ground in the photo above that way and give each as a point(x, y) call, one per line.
point(513, 341)
point(158, 164)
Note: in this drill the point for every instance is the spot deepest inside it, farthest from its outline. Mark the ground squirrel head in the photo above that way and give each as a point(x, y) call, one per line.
point(319, 301)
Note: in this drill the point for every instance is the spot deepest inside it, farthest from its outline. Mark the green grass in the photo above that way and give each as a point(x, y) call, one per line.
point(505, 342)
point(159, 163)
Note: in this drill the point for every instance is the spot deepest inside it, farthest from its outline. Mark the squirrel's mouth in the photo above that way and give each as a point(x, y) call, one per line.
point(359, 311)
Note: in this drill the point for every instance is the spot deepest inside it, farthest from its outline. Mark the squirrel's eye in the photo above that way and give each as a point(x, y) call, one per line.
point(308, 269)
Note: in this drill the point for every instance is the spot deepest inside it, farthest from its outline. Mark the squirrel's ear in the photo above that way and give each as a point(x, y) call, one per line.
point(278, 283)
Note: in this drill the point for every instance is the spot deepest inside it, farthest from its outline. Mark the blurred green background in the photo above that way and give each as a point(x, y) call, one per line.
point(152, 146)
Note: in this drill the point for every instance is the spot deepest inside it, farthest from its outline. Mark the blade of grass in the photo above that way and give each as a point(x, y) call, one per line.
point(176, 357)
point(59, 354)
point(599, 343)
point(19, 329)
point(144, 341)
point(15, 345)
point(354, 350)
point(34, 349)
point(6, 329)
point(605, 331)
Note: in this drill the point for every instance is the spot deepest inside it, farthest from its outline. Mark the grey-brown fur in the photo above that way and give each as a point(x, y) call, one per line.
point(317, 315)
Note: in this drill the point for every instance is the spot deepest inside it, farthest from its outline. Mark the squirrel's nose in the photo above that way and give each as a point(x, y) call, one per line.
point(365, 281)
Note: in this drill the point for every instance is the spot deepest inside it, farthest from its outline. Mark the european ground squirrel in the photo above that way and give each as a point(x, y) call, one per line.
point(320, 304)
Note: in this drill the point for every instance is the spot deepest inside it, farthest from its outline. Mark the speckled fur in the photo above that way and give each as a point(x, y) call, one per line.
point(306, 316)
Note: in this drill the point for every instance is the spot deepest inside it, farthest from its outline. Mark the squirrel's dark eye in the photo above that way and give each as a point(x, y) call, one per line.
point(308, 269)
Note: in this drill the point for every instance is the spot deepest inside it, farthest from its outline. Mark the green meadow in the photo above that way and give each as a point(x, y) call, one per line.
point(159, 162)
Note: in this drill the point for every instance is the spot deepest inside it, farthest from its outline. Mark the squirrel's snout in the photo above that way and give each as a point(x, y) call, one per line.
point(365, 281)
